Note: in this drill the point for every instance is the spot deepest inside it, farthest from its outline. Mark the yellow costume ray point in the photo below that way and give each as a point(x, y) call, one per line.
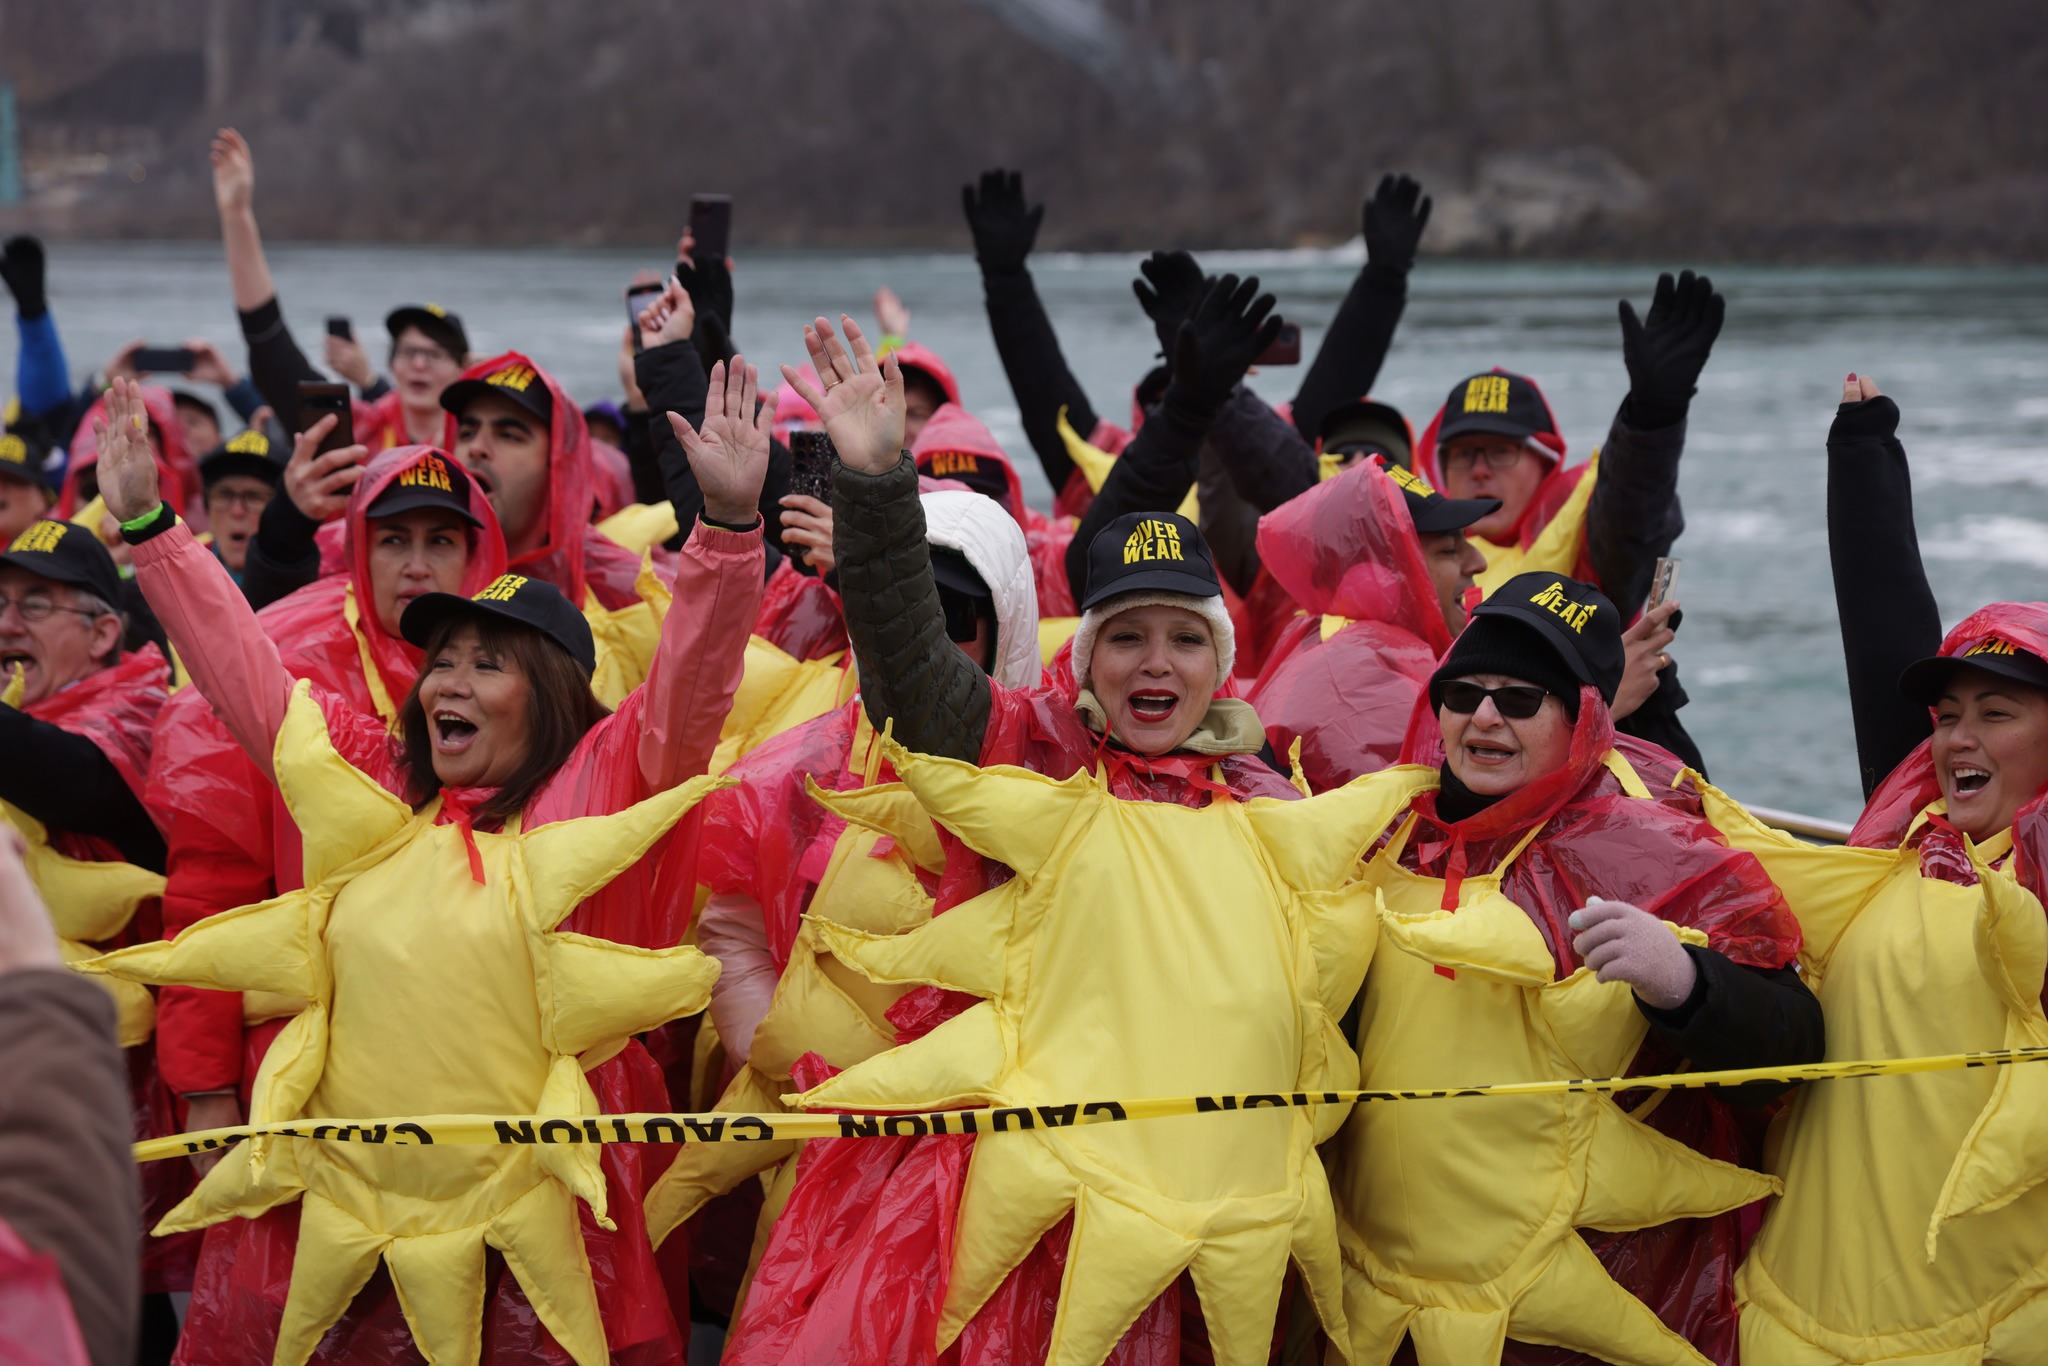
point(426, 986)
point(1151, 924)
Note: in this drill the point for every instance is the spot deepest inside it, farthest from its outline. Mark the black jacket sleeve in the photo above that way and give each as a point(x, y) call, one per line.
point(1228, 523)
point(66, 782)
point(1153, 474)
point(673, 378)
point(1634, 516)
point(1741, 1016)
point(910, 672)
point(1269, 462)
point(276, 365)
point(1354, 348)
point(640, 454)
point(1881, 595)
point(1037, 371)
point(283, 556)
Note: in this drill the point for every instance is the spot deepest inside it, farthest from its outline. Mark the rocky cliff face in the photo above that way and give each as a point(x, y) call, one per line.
point(1829, 129)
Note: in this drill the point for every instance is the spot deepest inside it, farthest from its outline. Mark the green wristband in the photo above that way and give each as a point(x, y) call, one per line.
point(134, 524)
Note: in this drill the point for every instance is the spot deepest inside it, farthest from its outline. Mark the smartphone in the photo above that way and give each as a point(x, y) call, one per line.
point(317, 401)
point(164, 360)
point(1286, 347)
point(638, 297)
point(1663, 579)
point(812, 460)
point(339, 327)
point(711, 224)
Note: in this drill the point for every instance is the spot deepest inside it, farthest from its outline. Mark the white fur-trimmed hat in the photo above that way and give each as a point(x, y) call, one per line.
point(1209, 609)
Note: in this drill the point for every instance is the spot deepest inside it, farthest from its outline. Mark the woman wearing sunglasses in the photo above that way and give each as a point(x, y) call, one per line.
point(1557, 906)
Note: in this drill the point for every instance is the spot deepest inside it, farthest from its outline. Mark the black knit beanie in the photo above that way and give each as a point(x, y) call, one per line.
point(1502, 645)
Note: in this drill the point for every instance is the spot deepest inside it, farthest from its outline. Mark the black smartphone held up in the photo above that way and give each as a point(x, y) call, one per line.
point(638, 297)
point(711, 224)
point(1286, 347)
point(339, 327)
point(811, 462)
point(317, 401)
point(164, 360)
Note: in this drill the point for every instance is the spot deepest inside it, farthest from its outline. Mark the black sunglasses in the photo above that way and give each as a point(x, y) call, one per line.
point(1516, 701)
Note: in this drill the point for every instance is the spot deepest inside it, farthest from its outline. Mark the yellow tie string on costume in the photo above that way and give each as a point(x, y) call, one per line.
point(721, 1127)
point(421, 982)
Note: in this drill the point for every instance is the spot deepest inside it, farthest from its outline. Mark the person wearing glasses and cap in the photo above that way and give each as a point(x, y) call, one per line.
point(1557, 906)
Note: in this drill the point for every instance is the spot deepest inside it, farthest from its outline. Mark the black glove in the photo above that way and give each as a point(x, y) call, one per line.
point(1217, 344)
point(1172, 286)
point(1003, 228)
point(21, 265)
point(1666, 353)
point(1394, 220)
point(709, 284)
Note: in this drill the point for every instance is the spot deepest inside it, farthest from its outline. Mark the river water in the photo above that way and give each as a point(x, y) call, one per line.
point(1965, 351)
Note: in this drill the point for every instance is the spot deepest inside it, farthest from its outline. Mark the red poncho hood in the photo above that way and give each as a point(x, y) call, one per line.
point(575, 557)
point(114, 708)
point(912, 356)
point(1550, 495)
point(956, 446)
point(177, 469)
point(1348, 548)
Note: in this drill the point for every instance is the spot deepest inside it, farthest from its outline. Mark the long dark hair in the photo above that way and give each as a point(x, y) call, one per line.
point(561, 709)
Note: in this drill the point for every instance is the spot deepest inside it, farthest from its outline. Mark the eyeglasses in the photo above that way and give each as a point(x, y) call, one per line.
point(247, 498)
point(1516, 701)
point(1500, 458)
point(422, 355)
point(38, 607)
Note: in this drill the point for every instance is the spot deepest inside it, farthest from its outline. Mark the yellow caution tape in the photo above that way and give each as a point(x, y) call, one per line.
point(742, 1128)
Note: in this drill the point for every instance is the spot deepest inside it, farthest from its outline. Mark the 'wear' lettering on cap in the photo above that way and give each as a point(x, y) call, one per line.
point(40, 536)
point(1410, 481)
point(1487, 394)
point(514, 377)
point(1993, 646)
point(1573, 614)
point(251, 442)
point(428, 472)
point(1152, 540)
point(946, 463)
point(13, 450)
point(502, 588)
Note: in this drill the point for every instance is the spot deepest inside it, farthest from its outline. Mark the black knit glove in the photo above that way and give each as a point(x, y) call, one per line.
point(1666, 352)
point(21, 265)
point(1004, 229)
point(1394, 218)
point(1231, 325)
point(1172, 285)
point(709, 285)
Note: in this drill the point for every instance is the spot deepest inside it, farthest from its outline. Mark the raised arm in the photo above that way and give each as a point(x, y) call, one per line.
point(1887, 611)
point(276, 365)
point(1355, 346)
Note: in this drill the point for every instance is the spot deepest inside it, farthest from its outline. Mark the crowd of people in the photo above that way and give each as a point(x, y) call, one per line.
point(747, 744)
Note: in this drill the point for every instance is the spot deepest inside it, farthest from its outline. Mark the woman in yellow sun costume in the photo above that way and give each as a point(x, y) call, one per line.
point(1556, 905)
point(1166, 910)
point(429, 944)
point(1914, 1224)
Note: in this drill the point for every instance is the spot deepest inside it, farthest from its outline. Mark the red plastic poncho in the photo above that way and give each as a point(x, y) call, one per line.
point(1347, 549)
point(1659, 853)
point(38, 1326)
point(853, 1270)
point(801, 615)
point(1550, 496)
point(177, 468)
point(575, 555)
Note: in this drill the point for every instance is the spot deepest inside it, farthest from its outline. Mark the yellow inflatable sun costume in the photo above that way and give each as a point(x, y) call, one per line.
point(431, 989)
point(1143, 948)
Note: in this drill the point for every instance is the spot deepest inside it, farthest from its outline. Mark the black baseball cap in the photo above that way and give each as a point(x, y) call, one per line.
point(22, 458)
point(64, 552)
point(433, 480)
point(515, 380)
point(1150, 552)
point(1925, 680)
point(437, 322)
point(1575, 621)
point(1369, 428)
point(1432, 512)
point(249, 454)
point(531, 602)
point(1498, 402)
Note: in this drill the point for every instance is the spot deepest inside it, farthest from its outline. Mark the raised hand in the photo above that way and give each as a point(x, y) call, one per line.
point(1622, 943)
point(1229, 328)
point(234, 173)
point(807, 522)
point(1666, 352)
point(708, 281)
point(729, 455)
point(347, 358)
point(127, 467)
point(21, 266)
point(1644, 657)
point(892, 315)
point(860, 402)
point(209, 366)
point(1172, 285)
point(319, 485)
point(1004, 230)
point(1860, 388)
point(671, 317)
point(1393, 219)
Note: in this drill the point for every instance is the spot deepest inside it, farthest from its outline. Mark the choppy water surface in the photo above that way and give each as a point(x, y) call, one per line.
point(1964, 351)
